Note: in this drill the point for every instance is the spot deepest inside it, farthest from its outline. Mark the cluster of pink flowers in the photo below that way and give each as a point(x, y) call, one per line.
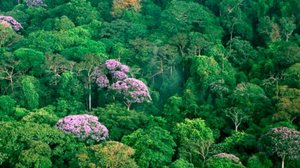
point(119, 75)
point(85, 127)
point(8, 20)
point(102, 81)
point(114, 76)
point(134, 90)
point(112, 64)
point(35, 3)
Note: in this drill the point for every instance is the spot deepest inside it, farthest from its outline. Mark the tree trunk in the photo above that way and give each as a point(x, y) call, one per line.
point(128, 106)
point(90, 96)
point(282, 162)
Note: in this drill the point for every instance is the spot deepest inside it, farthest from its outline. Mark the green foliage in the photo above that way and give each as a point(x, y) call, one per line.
point(259, 161)
point(8, 36)
point(217, 162)
point(65, 107)
point(195, 140)
point(109, 154)
point(119, 120)
point(153, 146)
point(41, 116)
point(69, 87)
point(31, 144)
point(30, 60)
point(233, 63)
point(181, 163)
point(29, 95)
point(7, 105)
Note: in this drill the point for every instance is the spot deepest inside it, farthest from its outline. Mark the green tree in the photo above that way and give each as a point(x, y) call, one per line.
point(119, 120)
point(8, 37)
point(85, 70)
point(288, 105)
point(181, 16)
point(34, 145)
point(235, 20)
point(181, 163)
point(282, 141)
point(30, 61)
point(153, 146)
point(29, 95)
point(7, 105)
point(259, 161)
point(195, 140)
point(110, 154)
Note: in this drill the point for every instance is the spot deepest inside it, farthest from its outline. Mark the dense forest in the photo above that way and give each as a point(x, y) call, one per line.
point(150, 83)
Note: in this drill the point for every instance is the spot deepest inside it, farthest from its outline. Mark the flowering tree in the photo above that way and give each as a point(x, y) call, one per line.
point(224, 160)
point(35, 3)
point(284, 142)
point(10, 22)
point(84, 127)
point(114, 76)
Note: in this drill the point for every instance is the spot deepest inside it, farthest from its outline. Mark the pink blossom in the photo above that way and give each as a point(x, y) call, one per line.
point(112, 64)
point(124, 68)
point(84, 127)
point(102, 81)
point(11, 21)
point(119, 75)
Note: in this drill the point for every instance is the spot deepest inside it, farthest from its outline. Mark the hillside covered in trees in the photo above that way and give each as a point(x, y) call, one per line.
point(150, 83)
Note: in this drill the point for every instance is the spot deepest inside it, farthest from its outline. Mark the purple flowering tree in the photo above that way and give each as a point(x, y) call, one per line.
point(85, 127)
point(11, 22)
point(284, 142)
point(113, 75)
point(133, 91)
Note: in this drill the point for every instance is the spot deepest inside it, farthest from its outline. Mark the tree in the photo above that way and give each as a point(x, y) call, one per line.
point(35, 2)
point(7, 106)
point(181, 16)
point(110, 154)
point(30, 61)
point(249, 98)
point(85, 127)
point(10, 22)
point(288, 105)
point(119, 120)
point(282, 141)
point(114, 76)
point(8, 37)
point(195, 140)
point(259, 160)
point(55, 66)
point(69, 87)
point(153, 146)
point(205, 69)
point(241, 53)
point(34, 145)
point(119, 6)
point(29, 96)
point(235, 20)
point(293, 75)
point(41, 116)
point(287, 27)
point(224, 160)
point(181, 163)
point(86, 69)
point(237, 116)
